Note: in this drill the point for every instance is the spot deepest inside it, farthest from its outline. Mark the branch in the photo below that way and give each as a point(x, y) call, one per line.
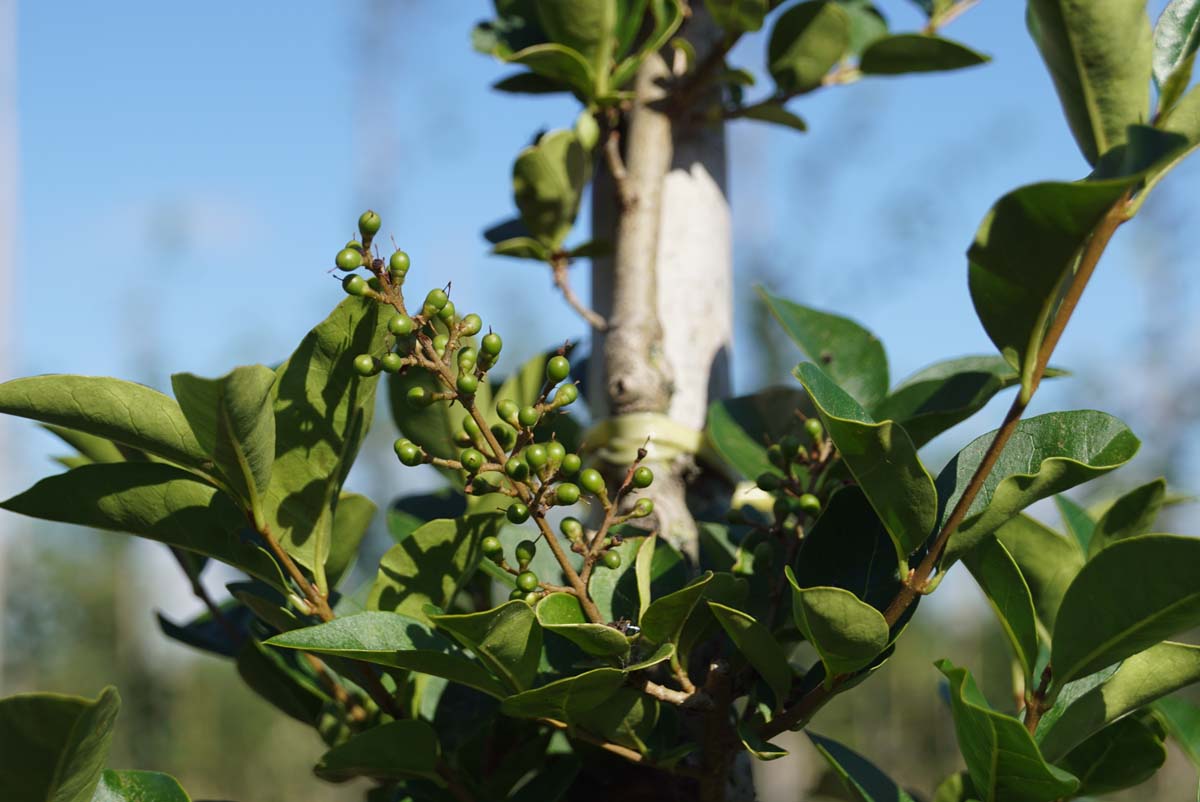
point(559, 267)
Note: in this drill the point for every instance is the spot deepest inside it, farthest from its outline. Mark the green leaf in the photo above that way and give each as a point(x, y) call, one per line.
point(528, 83)
point(548, 182)
point(955, 788)
point(566, 699)
point(55, 746)
point(409, 512)
point(1183, 723)
point(739, 429)
point(807, 41)
point(737, 16)
point(663, 620)
point(1132, 514)
point(1100, 622)
point(1099, 54)
point(588, 27)
point(1046, 455)
point(138, 786)
point(756, 745)
point(232, 420)
point(1001, 756)
point(615, 590)
point(667, 15)
point(847, 632)
point(946, 393)
point(507, 639)
point(1122, 755)
point(522, 248)
point(1104, 698)
point(852, 356)
point(557, 63)
point(867, 25)
point(116, 410)
point(1048, 562)
point(391, 639)
point(1176, 37)
point(323, 410)
point(861, 777)
point(1001, 581)
point(642, 572)
point(397, 750)
point(627, 718)
point(774, 113)
point(759, 646)
point(435, 426)
point(882, 459)
point(153, 500)
point(561, 614)
point(916, 52)
point(1077, 521)
point(430, 565)
point(93, 448)
point(350, 523)
point(279, 678)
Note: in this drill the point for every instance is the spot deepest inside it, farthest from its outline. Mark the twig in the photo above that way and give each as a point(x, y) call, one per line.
point(616, 168)
point(625, 752)
point(558, 266)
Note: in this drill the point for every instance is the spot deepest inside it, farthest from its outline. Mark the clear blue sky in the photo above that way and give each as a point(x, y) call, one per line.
point(188, 171)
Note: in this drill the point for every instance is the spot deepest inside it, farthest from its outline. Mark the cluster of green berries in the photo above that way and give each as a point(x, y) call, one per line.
point(786, 455)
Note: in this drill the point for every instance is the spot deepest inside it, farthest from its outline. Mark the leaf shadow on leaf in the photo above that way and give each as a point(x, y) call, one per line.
point(425, 583)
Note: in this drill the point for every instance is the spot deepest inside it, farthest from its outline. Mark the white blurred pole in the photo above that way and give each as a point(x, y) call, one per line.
point(8, 231)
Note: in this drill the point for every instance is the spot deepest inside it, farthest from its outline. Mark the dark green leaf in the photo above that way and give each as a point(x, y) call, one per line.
point(350, 523)
point(397, 750)
point(1048, 562)
point(561, 614)
point(1046, 455)
point(522, 248)
point(548, 182)
point(409, 512)
point(759, 647)
point(846, 632)
point(529, 83)
point(756, 745)
point(1176, 37)
point(138, 786)
point(221, 636)
point(737, 16)
point(278, 678)
point(1132, 514)
point(513, 228)
point(1002, 583)
point(860, 776)
point(916, 52)
point(774, 113)
point(566, 699)
point(507, 639)
point(626, 718)
point(739, 429)
point(1183, 723)
point(1122, 755)
point(807, 41)
point(435, 426)
point(93, 448)
point(1001, 756)
point(1099, 54)
point(664, 618)
point(557, 63)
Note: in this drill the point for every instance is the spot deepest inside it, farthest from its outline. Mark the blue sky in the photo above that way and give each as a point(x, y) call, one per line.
point(188, 172)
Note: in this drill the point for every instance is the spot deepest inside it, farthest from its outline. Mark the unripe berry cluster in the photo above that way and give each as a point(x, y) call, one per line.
point(800, 477)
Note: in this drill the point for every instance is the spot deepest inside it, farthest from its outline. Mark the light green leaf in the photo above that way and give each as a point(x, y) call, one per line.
point(557, 63)
point(1106, 697)
point(55, 746)
point(232, 420)
point(663, 620)
point(1100, 622)
point(847, 632)
point(860, 776)
point(852, 356)
point(548, 182)
point(391, 639)
point(1048, 562)
point(642, 572)
point(615, 590)
point(739, 428)
point(507, 639)
point(93, 448)
point(350, 522)
point(561, 614)
point(1077, 521)
point(152, 500)
point(1046, 455)
point(1002, 583)
point(1122, 755)
point(588, 27)
point(138, 786)
point(867, 24)
point(1002, 759)
point(737, 16)
point(398, 750)
point(1183, 722)
point(1099, 54)
point(1176, 37)
point(1132, 514)
point(807, 41)
point(774, 113)
point(116, 410)
point(882, 459)
point(433, 427)
point(916, 52)
point(667, 15)
point(566, 699)
point(759, 647)
point(522, 248)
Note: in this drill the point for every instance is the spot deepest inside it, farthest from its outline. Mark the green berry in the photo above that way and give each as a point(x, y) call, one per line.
point(391, 362)
point(592, 481)
point(611, 559)
point(354, 285)
point(536, 456)
point(399, 263)
point(408, 452)
point(446, 313)
point(571, 464)
point(566, 395)
point(467, 384)
point(435, 300)
point(368, 224)
point(491, 344)
point(532, 597)
point(517, 513)
point(790, 446)
point(348, 259)
point(528, 416)
point(643, 477)
point(810, 503)
point(401, 325)
point(572, 529)
point(567, 493)
point(814, 428)
point(516, 595)
point(471, 428)
point(462, 439)
point(558, 368)
point(507, 410)
point(418, 397)
point(768, 481)
point(491, 545)
point(471, 324)
point(466, 359)
point(555, 453)
point(374, 283)
point(775, 456)
point(364, 365)
point(525, 551)
point(643, 508)
point(516, 468)
point(355, 244)
point(471, 459)
point(527, 581)
point(505, 435)
point(439, 344)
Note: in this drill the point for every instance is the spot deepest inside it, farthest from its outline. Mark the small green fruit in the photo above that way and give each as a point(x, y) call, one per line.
point(436, 299)
point(516, 595)
point(391, 362)
point(348, 259)
point(504, 435)
point(517, 513)
point(566, 395)
point(466, 359)
point(471, 428)
point(400, 325)
point(507, 410)
point(567, 493)
point(368, 224)
point(643, 508)
point(374, 283)
point(439, 344)
point(491, 344)
point(643, 477)
point(810, 503)
point(528, 416)
point(527, 581)
point(418, 397)
point(355, 244)
point(572, 529)
point(364, 365)
point(790, 446)
point(591, 481)
point(354, 285)
point(525, 551)
point(611, 559)
point(446, 313)
point(399, 263)
point(516, 468)
point(467, 384)
point(471, 325)
point(775, 456)
point(531, 598)
point(768, 481)
point(814, 428)
point(471, 460)
point(408, 452)
point(558, 368)
point(491, 546)
point(555, 453)
point(571, 464)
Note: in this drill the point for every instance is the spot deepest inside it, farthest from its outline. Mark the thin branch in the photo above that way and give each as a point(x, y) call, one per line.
point(563, 282)
point(631, 755)
point(616, 168)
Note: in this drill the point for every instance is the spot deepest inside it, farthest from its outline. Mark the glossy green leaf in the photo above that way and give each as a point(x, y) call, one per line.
point(861, 777)
point(642, 572)
point(663, 620)
point(508, 639)
point(1122, 755)
point(153, 500)
point(323, 409)
point(627, 718)
point(548, 182)
point(806, 42)
point(756, 745)
point(55, 746)
point(281, 679)
point(847, 632)
point(1100, 622)
point(774, 113)
point(116, 410)
point(738, 429)
point(1132, 514)
point(138, 786)
point(615, 590)
point(758, 646)
point(1046, 455)
point(1176, 37)
point(561, 614)
point(916, 52)
point(430, 565)
point(395, 640)
point(1104, 698)
point(1001, 756)
point(522, 248)
point(1183, 723)
point(1048, 562)
point(566, 699)
point(557, 63)
point(232, 420)
point(1077, 520)
point(737, 16)
point(1099, 55)
point(397, 750)
point(882, 459)
point(350, 523)
point(852, 356)
point(1001, 581)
